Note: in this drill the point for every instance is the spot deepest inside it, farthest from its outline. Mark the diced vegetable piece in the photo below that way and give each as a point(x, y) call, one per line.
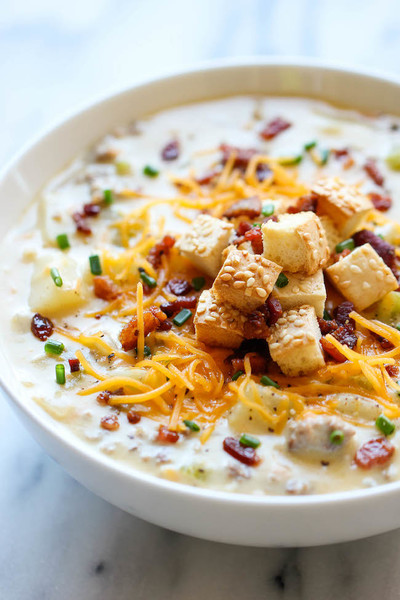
point(268, 210)
point(63, 241)
point(388, 309)
point(345, 245)
point(198, 283)
point(60, 374)
point(192, 425)
point(336, 437)
point(150, 171)
point(249, 440)
point(108, 196)
point(53, 347)
point(123, 168)
point(385, 425)
point(265, 380)
point(282, 281)
point(95, 265)
point(183, 316)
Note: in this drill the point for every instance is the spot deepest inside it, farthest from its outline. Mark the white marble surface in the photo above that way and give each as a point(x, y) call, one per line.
point(57, 540)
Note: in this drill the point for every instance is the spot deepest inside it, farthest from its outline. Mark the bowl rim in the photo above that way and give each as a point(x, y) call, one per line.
point(76, 445)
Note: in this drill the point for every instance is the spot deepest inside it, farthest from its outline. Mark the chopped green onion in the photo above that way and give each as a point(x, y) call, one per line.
point(60, 374)
point(336, 437)
point(150, 171)
point(95, 266)
point(393, 159)
point(249, 440)
point(256, 225)
point(182, 316)
point(282, 281)
point(198, 283)
point(288, 161)
point(53, 347)
point(268, 210)
point(324, 157)
point(147, 279)
point(123, 168)
point(56, 277)
point(265, 380)
point(327, 316)
point(63, 241)
point(310, 145)
point(191, 425)
point(108, 197)
point(236, 375)
point(146, 351)
point(398, 326)
point(345, 245)
point(385, 425)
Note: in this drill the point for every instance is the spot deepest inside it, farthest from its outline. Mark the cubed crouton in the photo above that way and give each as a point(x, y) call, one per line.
point(297, 242)
point(343, 203)
point(362, 277)
point(331, 231)
point(245, 280)
point(302, 289)
point(294, 342)
point(204, 243)
point(218, 324)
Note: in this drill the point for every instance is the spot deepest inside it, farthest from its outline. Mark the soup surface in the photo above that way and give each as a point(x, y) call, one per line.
point(211, 295)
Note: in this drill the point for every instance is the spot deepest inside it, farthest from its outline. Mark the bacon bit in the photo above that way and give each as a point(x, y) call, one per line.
point(41, 327)
point(103, 398)
point(106, 156)
point(91, 210)
point(263, 172)
point(244, 454)
point(171, 151)
point(274, 128)
point(243, 227)
point(133, 417)
point(342, 312)
point(373, 172)
point(255, 326)
point(274, 309)
point(254, 236)
point(273, 218)
point(179, 287)
point(345, 335)
point(350, 162)
point(337, 256)
point(381, 202)
point(163, 247)
point(171, 308)
point(81, 223)
point(304, 203)
point(74, 365)
point(343, 152)
point(259, 363)
point(152, 319)
point(165, 326)
point(110, 423)
point(392, 370)
point(104, 288)
point(381, 247)
point(332, 351)
point(208, 177)
point(386, 345)
point(242, 155)
point(247, 207)
point(374, 452)
point(327, 326)
point(165, 435)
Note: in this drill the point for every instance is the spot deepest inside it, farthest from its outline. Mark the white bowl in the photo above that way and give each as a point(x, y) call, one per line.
point(219, 516)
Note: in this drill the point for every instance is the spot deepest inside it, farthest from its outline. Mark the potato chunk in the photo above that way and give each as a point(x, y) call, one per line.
point(362, 277)
point(311, 436)
point(303, 290)
point(204, 243)
point(343, 203)
point(218, 324)
point(245, 280)
point(294, 342)
point(297, 242)
point(50, 300)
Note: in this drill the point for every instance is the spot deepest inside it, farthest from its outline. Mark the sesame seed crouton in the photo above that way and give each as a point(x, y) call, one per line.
point(294, 342)
point(302, 289)
point(362, 277)
point(218, 324)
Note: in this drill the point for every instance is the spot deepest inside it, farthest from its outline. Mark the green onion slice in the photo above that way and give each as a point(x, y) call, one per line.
point(327, 316)
point(123, 168)
point(95, 265)
point(63, 241)
point(236, 375)
point(249, 440)
point(53, 347)
point(345, 245)
point(198, 283)
point(282, 281)
point(268, 210)
point(150, 171)
point(56, 277)
point(60, 374)
point(336, 437)
point(192, 425)
point(147, 279)
point(310, 145)
point(108, 197)
point(290, 161)
point(265, 380)
point(183, 316)
point(385, 425)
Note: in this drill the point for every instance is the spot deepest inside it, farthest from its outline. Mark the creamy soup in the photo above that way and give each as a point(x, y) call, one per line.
point(210, 295)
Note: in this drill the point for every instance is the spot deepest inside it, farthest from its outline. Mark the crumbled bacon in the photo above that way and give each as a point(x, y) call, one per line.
point(345, 334)
point(161, 248)
point(243, 227)
point(342, 312)
point(263, 172)
point(272, 310)
point(74, 365)
point(381, 247)
point(41, 327)
point(166, 436)
point(371, 169)
point(392, 370)
point(381, 202)
point(91, 210)
point(244, 454)
point(110, 423)
point(103, 398)
point(254, 236)
point(373, 453)
point(258, 363)
point(255, 326)
point(179, 287)
point(133, 417)
point(332, 351)
point(273, 218)
point(304, 203)
point(340, 153)
point(242, 155)
point(327, 326)
point(165, 326)
point(338, 255)
point(104, 288)
point(250, 346)
point(152, 318)
point(81, 223)
point(171, 308)
point(386, 345)
point(274, 128)
point(247, 207)
point(171, 151)
point(208, 177)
